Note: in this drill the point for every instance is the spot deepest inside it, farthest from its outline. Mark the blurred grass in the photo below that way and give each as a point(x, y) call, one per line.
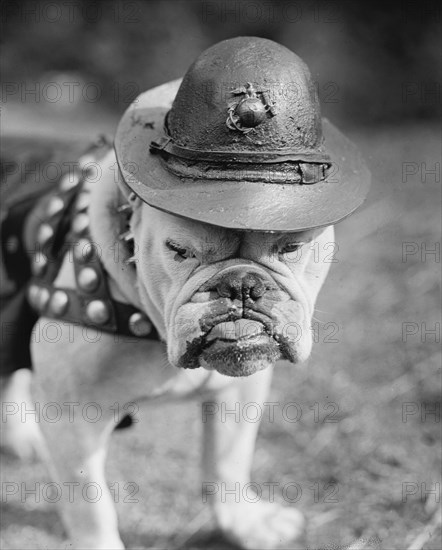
point(369, 373)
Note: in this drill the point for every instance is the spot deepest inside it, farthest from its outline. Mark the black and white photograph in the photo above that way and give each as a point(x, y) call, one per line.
point(220, 275)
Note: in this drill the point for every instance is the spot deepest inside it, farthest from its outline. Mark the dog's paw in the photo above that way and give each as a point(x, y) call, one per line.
point(22, 441)
point(21, 436)
point(261, 525)
point(96, 543)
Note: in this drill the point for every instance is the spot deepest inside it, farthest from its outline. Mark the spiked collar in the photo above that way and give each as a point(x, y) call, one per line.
point(64, 229)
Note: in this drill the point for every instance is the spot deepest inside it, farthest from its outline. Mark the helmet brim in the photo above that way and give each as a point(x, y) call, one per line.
point(251, 206)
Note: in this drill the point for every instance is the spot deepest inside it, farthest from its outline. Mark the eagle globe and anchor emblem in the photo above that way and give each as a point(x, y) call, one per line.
point(248, 112)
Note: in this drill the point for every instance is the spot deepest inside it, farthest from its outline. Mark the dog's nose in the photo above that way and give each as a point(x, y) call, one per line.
point(241, 286)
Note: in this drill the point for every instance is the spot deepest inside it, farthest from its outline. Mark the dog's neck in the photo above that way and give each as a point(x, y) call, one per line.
point(106, 227)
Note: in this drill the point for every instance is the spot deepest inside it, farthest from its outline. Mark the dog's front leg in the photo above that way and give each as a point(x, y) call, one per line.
point(229, 442)
point(77, 383)
point(76, 449)
point(86, 506)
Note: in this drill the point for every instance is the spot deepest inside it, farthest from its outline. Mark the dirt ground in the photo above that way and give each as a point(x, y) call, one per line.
point(365, 450)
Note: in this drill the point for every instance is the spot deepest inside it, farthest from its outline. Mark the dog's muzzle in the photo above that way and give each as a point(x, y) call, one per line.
point(239, 329)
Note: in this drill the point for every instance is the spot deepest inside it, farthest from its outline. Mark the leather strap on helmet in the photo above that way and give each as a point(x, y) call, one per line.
point(166, 145)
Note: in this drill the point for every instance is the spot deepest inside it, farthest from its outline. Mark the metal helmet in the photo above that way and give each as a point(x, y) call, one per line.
point(243, 145)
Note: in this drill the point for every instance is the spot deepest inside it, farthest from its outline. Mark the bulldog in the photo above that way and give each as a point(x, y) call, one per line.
point(221, 260)
point(229, 304)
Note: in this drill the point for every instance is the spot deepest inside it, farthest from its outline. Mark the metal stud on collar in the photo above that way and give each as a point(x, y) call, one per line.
point(33, 292)
point(54, 206)
point(44, 234)
point(42, 299)
point(97, 312)
point(58, 303)
point(139, 324)
point(83, 201)
point(84, 250)
point(80, 223)
point(39, 264)
point(69, 181)
point(88, 279)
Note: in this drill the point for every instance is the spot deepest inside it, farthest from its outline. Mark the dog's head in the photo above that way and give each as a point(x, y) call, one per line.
point(255, 156)
point(234, 301)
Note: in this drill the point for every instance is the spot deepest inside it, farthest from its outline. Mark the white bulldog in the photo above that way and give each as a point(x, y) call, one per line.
point(229, 304)
point(230, 283)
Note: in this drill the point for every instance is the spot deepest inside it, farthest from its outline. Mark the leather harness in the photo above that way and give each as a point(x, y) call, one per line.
point(63, 229)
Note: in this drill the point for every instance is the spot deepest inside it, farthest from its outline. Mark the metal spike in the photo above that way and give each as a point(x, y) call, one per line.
point(124, 208)
point(58, 303)
point(98, 312)
point(139, 324)
point(126, 236)
point(88, 279)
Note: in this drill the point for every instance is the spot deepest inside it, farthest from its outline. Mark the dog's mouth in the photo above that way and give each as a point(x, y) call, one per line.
point(242, 327)
point(238, 348)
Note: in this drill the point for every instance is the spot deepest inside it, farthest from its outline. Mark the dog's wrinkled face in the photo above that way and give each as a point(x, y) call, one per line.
point(229, 300)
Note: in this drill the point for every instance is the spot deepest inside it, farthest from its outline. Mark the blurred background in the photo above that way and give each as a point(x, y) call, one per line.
point(374, 62)
point(70, 69)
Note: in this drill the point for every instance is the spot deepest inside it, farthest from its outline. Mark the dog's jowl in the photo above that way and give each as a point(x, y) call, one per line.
point(198, 241)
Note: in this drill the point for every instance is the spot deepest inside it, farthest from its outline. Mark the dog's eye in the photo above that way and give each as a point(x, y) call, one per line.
point(181, 253)
point(290, 247)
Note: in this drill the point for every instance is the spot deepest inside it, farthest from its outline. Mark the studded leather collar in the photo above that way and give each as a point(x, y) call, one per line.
point(64, 229)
